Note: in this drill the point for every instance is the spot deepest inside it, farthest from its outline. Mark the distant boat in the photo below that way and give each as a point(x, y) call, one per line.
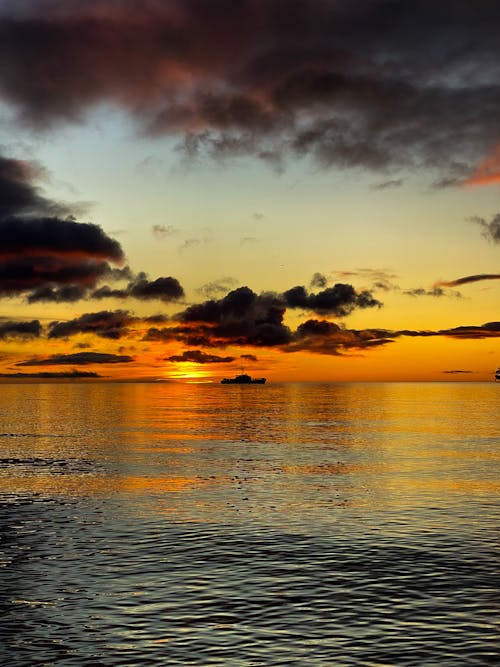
point(497, 375)
point(243, 379)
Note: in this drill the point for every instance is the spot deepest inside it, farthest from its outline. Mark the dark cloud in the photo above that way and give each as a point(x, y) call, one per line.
point(490, 230)
point(468, 279)
point(455, 372)
point(324, 337)
point(199, 357)
point(69, 294)
point(488, 330)
point(106, 324)
point(339, 300)
point(166, 289)
point(50, 375)
point(79, 359)
point(52, 237)
point(163, 289)
point(349, 84)
point(12, 329)
point(40, 251)
point(19, 195)
point(241, 317)
point(248, 357)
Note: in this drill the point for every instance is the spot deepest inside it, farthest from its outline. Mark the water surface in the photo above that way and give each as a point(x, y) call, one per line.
point(308, 524)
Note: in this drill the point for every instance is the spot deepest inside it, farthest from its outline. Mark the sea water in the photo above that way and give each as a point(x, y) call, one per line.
point(203, 524)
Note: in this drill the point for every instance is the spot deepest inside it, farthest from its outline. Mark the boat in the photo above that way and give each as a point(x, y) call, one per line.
point(243, 378)
point(497, 375)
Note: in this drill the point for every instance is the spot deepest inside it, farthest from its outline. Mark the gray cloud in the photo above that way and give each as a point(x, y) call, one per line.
point(347, 84)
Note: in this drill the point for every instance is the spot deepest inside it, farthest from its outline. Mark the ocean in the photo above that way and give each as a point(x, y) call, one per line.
point(280, 524)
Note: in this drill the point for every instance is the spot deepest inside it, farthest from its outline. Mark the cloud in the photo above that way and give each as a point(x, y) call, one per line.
point(488, 330)
point(324, 337)
point(51, 375)
point(106, 324)
point(456, 372)
point(241, 317)
point(164, 289)
point(19, 195)
point(434, 292)
point(491, 229)
point(39, 249)
point(347, 84)
point(23, 330)
point(339, 300)
point(78, 358)
point(391, 183)
point(380, 279)
point(487, 172)
point(162, 231)
point(248, 357)
point(217, 287)
point(199, 357)
point(318, 280)
point(468, 279)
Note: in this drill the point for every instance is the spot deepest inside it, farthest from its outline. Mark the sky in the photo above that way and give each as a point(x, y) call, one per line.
point(308, 190)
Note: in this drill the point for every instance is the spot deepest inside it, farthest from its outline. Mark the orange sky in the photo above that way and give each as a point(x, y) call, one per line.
point(187, 193)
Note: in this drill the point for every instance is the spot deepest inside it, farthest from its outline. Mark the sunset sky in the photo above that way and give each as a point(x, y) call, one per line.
point(309, 190)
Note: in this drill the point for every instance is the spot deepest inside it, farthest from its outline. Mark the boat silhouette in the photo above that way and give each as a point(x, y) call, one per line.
point(243, 378)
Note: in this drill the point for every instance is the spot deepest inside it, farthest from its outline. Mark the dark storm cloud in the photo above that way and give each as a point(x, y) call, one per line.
point(19, 195)
point(106, 324)
point(199, 357)
point(40, 251)
point(374, 84)
point(469, 279)
point(241, 317)
point(490, 230)
point(53, 237)
point(12, 329)
point(79, 359)
point(339, 300)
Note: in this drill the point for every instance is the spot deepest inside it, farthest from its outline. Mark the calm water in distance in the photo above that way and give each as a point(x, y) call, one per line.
point(298, 524)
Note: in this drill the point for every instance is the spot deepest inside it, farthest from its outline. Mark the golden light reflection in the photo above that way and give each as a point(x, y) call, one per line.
point(75, 485)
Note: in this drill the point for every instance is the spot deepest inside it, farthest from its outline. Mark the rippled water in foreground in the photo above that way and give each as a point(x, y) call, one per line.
point(313, 524)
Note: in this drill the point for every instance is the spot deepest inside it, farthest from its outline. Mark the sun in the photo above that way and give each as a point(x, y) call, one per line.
point(190, 372)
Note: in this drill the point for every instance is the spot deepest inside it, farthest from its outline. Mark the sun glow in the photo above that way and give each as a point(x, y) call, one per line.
point(190, 372)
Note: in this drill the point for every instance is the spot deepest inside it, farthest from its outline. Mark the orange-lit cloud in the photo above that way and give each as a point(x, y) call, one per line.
point(467, 279)
point(487, 172)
